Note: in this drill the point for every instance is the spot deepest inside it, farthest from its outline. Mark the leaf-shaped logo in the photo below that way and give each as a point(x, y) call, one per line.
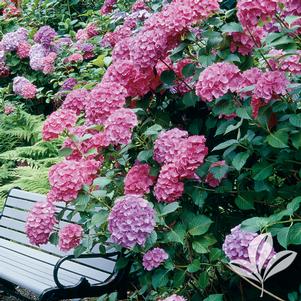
point(262, 264)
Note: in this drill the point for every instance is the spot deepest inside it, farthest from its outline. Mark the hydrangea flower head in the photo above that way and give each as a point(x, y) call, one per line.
point(167, 145)
point(154, 258)
point(131, 221)
point(69, 83)
point(210, 179)
point(68, 177)
point(57, 122)
point(24, 88)
point(70, 237)
point(11, 40)
point(174, 297)
point(119, 126)
point(217, 80)
point(168, 188)
point(45, 35)
point(23, 50)
point(76, 100)
point(138, 180)
point(40, 223)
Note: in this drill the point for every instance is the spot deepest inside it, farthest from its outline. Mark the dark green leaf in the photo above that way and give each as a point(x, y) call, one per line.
point(244, 203)
point(240, 160)
point(168, 77)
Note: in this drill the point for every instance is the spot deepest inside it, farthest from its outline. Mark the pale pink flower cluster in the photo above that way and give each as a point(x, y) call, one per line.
point(154, 258)
point(24, 88)
point(68, 177)
point(87, 33)
point(138, 180)
point(249, 78)
point(181, 156)
point(105, 98)
point(40, 223)
point(49, 61)
point(76, 100)
point(74, 58)
point(70, 237)
point(119, 126)
point(57, 123)
point(174, 297)
point(210, 179)
point(217, 80)
point(271, 84)
point(139, 5)
point(131, 221)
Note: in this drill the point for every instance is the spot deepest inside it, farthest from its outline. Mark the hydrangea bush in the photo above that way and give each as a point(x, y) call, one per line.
point(181, 121)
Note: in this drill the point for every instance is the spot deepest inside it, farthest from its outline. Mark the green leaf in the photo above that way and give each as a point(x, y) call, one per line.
point(240, 160)
point(82, 202)
point(168, 77)
point(203, 243)
point(199, 224)
point(65, 152)
point(159, 278)
point(294, 205)
point(188, 70)
point(244, 203)
point(295, 120)
point(145, 155)
point(232, 27)
point(54, 238)
point(225, 144)
point(215, 254)
point(232, 127)
point(199, 196)
point(215, 297)
point(203, 280)
point(219, 172)
point(179, 278)
point(99, 218)
point(177, 234)
point(170, 208)
point(153, 130)
point(278, 139)
point(79, 250)
point(254, 224)
point(262, 170)
point(190, 99)
point(194, 266)
point(295, 235)
point(283, 236)
point(102, 182)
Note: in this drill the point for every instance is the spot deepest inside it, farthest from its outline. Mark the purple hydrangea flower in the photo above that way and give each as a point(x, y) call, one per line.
point(236, 244)
point(11, 40)
point(69, 84)
point(153, 258)
point(36, 56)
point(131, 221)
point(45, 35)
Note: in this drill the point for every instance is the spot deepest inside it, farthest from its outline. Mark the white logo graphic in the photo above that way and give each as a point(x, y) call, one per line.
point(261, 265)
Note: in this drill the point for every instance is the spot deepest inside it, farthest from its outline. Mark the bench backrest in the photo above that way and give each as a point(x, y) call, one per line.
point(12, 229)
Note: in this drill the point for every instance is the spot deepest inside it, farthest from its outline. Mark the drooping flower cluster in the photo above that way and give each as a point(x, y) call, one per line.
point(131, 221)
point(40, 222)
point(138, 180)
point(24, 88)
point(68, 177)
point(57, 123)
point(236, 244)
point(76, 100)
point(217, 80)
point(181, 156)
point(70, 237)
point(154, 258)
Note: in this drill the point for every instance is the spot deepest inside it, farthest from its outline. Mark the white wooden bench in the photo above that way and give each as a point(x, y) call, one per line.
point(45, 270)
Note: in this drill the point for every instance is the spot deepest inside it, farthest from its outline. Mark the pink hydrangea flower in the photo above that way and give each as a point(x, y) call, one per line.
point(210, 179)
point(192, 152)
point(8, 110)
point(70, 237)
point(107, 7)
point(217, 80)
point(40, 223)
point(131, 221)
point(76, 100)
point(174, 297)
point(49, 61)
point(154, 258)
point(271, 84)
point(279, 60)
point(4, 70)
point(119, 126)
point(249, 78)
point(139, 5)
point(168, 188)
point(236, 244)
point(23, 50)
point(256, 104)
point(92, 30)
point(74, 58)
point(57, 123)
point(68, 177)
point(105, 98)
point(138, 180)
point(24, 88)
point(167, 145)
point(11, 11)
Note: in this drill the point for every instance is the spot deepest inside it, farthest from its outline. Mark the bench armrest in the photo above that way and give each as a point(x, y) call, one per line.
point(83, 256)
